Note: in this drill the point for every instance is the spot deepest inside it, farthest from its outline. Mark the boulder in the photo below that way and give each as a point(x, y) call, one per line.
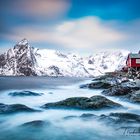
point(85, 116)
point(14, 108)
point(111, 119)
point(134, 96)
point(121, 118)
point(117, 91)
point(95, 102)
point(121, 89)
point(88, 116)
point(70, 117)
point(36, 124)
point(99, 85)
point(25, 93)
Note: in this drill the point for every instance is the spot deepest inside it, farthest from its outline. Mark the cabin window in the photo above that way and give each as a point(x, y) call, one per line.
point(138, 61)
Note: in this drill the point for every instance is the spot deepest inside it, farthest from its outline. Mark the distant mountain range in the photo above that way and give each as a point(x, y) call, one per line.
point(24, 60)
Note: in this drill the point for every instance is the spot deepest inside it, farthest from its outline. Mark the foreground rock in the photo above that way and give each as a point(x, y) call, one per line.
point(121, 118)
point(117, 91)
point(121, 89)
point(134, 97)
point(105, 82)
point(99, 85)
point(95, 102)
point(111, 119)
point(14, 108)
point(36, 124)
point(25, 93)
point(101, 82)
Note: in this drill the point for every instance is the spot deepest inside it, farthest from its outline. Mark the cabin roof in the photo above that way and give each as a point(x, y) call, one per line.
point(134, 55)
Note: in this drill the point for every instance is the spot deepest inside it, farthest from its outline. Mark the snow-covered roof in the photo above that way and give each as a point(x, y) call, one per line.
point(134, 55)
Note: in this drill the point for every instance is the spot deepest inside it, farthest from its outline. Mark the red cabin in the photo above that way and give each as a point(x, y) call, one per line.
point(133, 61)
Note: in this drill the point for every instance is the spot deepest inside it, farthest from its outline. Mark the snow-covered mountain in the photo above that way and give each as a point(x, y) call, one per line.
point(28, 61)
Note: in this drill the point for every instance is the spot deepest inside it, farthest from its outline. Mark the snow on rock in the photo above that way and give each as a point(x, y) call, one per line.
point(106, 62)
point(28, 61)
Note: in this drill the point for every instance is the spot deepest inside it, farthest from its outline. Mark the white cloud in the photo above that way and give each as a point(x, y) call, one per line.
point(87, 32)
point(84, 33)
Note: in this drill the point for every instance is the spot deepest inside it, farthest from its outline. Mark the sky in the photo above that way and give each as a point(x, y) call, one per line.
point(83, 26)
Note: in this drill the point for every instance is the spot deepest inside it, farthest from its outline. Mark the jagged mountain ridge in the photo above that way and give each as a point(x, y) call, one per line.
point(24, 60)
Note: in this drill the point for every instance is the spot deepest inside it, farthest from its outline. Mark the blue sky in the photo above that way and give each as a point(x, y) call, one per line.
point(83, 26)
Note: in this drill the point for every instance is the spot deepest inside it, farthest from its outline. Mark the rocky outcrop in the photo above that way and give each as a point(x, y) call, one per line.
point(105, 82)
point(14, 108)
point(25, 93)
point(111, 119)
point(36, 124)
point(121, 118)
point(117, 91)
point(95, 102)
point(18, 61)
point(135, 97)
point(124, 88)
point(99, 85)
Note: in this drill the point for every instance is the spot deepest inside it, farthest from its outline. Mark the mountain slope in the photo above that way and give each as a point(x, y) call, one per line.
point(18, 61)
point(28, 61)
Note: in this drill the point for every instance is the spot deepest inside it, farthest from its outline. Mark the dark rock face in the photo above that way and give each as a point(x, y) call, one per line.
point(113, 118)
point(99, 85)
point(55, 71)
point(124, 88)
point(2, 60)
point(25, 59)
point(36, 124)
point(14, 108)
point(121, 118)
point(117, 91)
point(25, 93)
point(70, 117)
point(84, 86)
point(95, 102)
point(87, 115)
point(20, 60)
point(102, 82)
point(134, 96)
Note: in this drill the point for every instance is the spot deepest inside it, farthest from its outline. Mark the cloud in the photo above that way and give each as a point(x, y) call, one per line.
point(83, 33)
point(87, 32)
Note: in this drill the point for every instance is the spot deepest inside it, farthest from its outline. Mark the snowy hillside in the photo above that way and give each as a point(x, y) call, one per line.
point(28, 61)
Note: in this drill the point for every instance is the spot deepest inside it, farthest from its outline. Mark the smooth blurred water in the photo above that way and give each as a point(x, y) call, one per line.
point(55, 89)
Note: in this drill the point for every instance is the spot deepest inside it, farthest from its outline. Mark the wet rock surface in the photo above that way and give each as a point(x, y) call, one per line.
point(95, 102)
point(36, 124)
point(121, 118)
point(105, 82)
point(111, 119)
point(117, 91)
point(25, 93)
point(133, 97)
point(14, 108)
point(99, 85)
point(121, 89)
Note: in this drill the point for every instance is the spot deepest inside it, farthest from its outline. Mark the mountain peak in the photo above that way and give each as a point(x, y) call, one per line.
point(23, 42)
